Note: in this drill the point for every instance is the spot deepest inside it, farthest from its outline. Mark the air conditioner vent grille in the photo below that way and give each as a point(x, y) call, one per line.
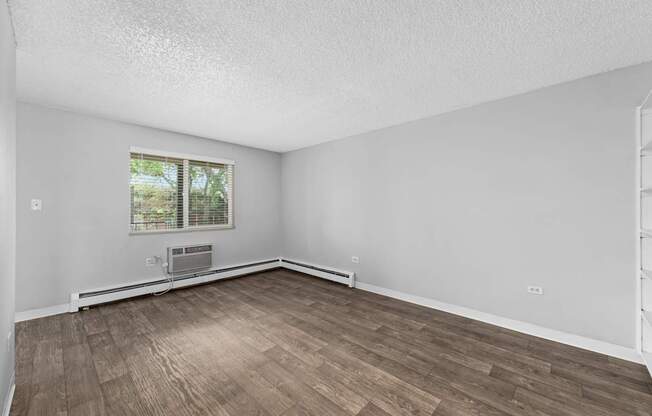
point(190, 258)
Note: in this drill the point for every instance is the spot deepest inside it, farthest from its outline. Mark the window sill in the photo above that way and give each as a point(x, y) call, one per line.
point(183, 230)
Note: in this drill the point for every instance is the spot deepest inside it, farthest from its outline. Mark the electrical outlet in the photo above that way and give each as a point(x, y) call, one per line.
point(535, 290)
point(355, 259)
point(150, 261)
point(36, 205)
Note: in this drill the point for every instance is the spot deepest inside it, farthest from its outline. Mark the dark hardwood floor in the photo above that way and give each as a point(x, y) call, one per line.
point(282, 343)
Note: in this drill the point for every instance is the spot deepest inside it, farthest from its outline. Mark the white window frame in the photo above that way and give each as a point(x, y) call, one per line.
point(186, 157)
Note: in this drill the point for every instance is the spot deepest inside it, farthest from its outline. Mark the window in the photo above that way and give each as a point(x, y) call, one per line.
point(171, 192)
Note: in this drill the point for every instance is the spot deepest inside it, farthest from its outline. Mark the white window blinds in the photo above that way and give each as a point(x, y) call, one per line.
point(211, 187)
point(175, 193)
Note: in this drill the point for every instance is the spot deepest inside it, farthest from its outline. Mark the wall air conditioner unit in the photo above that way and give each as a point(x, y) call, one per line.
point(183, 259)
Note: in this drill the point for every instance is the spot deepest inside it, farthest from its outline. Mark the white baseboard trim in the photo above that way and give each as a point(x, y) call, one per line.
point(340, 276)
point(590, 344)
point(647, 359)
point(10, 395)
point(41, 313)
point(325, 272)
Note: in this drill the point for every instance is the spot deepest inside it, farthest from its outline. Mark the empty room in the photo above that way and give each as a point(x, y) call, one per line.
point(357, 208)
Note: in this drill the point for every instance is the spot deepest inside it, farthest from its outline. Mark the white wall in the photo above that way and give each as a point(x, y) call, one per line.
point(79, 167)
point(7, 199)
point(471, 207)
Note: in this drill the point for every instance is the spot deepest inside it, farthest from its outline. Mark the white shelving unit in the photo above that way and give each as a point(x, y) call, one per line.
point(646, 150)
point(644, 231)
point(646, 274)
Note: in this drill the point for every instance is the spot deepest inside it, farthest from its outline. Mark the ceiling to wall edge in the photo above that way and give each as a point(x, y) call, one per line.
point(227, 141)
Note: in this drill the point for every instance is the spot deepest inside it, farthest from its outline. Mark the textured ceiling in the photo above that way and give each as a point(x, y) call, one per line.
point(281, 74)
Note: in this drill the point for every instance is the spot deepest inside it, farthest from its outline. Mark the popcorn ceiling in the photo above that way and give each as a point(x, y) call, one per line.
point(281, 75)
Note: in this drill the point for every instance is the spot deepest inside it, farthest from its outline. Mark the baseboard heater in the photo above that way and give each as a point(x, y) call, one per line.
point(328, 273)
point(113, 293)
point(147, 287)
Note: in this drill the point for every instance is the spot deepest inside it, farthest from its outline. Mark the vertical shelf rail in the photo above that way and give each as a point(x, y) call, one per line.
point(644, 230)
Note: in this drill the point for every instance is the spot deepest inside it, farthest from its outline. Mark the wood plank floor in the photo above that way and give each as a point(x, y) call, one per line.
point(282, 343)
